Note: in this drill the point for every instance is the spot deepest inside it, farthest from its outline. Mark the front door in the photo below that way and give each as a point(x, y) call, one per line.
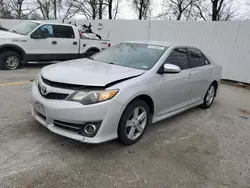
point(174, 90)
point(41, 49)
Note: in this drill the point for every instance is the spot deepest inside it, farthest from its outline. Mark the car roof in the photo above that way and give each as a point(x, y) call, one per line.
point(162, 43)
point(54, 23)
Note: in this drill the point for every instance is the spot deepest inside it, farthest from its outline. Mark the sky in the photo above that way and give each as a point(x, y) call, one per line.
point(127, 11)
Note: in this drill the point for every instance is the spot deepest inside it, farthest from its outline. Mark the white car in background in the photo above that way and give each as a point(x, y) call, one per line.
point(119, 91)
point(43, 41)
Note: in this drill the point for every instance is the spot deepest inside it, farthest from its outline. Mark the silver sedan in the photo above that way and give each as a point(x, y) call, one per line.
point(118, 92)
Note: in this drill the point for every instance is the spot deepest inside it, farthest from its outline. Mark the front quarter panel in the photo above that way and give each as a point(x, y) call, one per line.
point(131, 89)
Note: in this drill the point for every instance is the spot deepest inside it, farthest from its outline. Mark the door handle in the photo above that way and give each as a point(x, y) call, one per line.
point(74, 43)
point(189, 76)
point(54, 42)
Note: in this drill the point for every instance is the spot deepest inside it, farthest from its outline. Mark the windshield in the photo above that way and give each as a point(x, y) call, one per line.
point(24, 28)
point(134, 55)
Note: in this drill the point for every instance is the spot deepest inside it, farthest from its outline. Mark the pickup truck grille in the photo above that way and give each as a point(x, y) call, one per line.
point(62, 85)
point(57, 96)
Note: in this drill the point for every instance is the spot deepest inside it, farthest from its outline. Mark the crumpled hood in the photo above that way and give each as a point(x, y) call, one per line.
point(88, 72)
point(6, 34)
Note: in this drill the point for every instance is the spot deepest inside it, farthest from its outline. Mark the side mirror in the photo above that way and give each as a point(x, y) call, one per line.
point(170, 69)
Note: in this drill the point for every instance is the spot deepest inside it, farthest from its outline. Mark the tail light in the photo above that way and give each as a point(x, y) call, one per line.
point(109, 44)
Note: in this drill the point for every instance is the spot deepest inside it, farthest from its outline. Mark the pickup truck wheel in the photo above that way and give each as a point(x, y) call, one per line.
point(91, 52)
point(9, 60)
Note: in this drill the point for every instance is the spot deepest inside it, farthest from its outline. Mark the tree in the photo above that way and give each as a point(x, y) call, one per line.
point(180, 6)
point(100, 8)
point(21, 9)
point(178, 9)
point(216, 9)
point(69, 11)
point(4, 10)
point(45, 7)
point(89, 8)
point(113, 7)
point(220, 10)
point(200, 10)
point(142, 8)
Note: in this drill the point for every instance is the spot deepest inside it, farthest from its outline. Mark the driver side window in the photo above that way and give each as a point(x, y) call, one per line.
point(49, 28)
point(178, 57)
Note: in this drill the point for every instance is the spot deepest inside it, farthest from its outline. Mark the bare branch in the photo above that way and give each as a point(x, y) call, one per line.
point(142, 8)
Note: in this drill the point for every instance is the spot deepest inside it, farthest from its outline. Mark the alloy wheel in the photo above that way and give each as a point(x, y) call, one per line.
point(210, 95)
point(136, 123)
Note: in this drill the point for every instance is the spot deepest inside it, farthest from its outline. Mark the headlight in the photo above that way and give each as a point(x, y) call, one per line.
point(93, 97)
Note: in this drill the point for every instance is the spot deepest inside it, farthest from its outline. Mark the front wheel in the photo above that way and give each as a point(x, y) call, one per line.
point(9, 60)
point(209, 97)
point(133, 122)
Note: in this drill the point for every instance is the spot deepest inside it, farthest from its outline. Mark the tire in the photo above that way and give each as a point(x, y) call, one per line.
point(209, 97)
point(9, 60)
point(91, 52)
point(129, 129)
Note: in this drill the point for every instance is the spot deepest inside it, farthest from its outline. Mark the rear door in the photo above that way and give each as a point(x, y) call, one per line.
point(174, 90)
point(67, 41)
point(200, 73)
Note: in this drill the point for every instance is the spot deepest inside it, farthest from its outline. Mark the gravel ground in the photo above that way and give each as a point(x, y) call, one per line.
point(195, 149)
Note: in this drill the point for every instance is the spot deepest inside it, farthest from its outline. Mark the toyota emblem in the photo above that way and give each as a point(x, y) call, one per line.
point(44, 90)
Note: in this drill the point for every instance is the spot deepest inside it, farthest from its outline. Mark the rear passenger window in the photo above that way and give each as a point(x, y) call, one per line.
point(61, 31)
point(196, 58)
point(178, 57)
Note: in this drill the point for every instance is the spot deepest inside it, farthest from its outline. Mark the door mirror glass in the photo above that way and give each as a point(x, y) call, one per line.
point(170, 68)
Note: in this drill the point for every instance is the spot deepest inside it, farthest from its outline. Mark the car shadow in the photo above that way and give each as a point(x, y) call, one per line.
point(152, 135)
point(35, 65)
point(107, 147)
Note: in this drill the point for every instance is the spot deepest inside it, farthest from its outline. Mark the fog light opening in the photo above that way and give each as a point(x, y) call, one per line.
point(90, 129)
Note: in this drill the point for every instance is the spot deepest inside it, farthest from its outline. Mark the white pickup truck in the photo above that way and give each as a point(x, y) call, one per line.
point(41, 41)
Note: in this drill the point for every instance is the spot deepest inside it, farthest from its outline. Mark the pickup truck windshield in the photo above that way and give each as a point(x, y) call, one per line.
point(24, 28)
point(134, 55)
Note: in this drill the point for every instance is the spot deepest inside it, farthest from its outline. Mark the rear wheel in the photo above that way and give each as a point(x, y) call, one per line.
point(209, 97)
point(91, 52)
point(133, 122)
point(9, 60)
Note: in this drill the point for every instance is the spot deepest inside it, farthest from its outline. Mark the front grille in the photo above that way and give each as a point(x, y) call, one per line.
point(56, 96)
point(68, 126)
point(62, 85)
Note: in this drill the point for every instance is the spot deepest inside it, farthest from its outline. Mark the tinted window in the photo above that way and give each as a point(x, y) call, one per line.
point(61, 31)
point(196, 58)
point(134, 55)
point(178, 57)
